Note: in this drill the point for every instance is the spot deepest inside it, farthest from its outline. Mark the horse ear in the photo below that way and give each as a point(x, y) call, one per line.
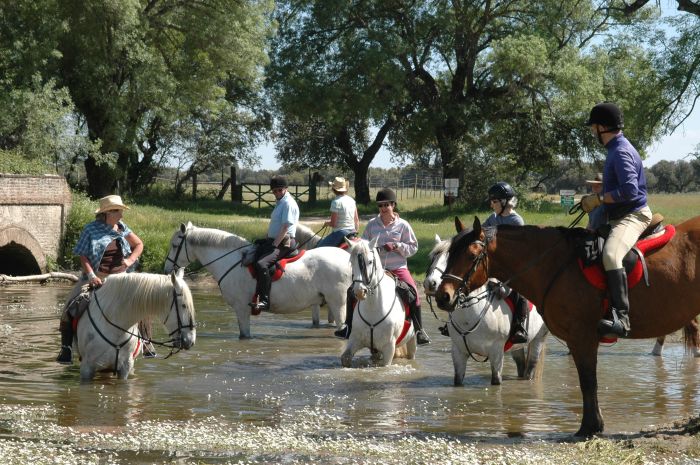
point(180, 273)
point(348, 242)
point(459, 225)
point(437, 239)
point(373, 242)
point(183, 228)
point(477, 225)
point(173, 277)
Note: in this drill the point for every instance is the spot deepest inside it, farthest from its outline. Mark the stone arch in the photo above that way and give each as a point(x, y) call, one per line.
point(20, 253)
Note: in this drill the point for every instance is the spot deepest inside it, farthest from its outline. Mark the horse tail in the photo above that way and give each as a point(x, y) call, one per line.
point(691, 336)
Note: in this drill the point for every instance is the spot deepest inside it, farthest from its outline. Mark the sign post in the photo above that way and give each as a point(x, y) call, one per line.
point(567, 198)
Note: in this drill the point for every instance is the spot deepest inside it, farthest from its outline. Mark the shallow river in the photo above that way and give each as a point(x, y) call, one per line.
point(283, 395)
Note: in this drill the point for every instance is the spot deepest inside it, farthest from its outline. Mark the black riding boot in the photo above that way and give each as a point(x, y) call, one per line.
point(66, 355)
point(262, 288)
point(619, 322)
point(421, 336)
point(519, 331)
point(344, 331)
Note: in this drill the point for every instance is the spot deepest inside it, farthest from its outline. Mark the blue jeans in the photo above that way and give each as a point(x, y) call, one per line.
point(334, 239)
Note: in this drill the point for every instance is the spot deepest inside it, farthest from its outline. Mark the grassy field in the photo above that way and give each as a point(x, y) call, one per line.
point(155, 221)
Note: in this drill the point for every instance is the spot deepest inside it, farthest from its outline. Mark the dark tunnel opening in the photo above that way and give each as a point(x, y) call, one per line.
point(17, 260)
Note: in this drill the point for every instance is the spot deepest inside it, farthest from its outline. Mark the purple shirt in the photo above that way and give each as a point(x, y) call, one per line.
point(623, 178)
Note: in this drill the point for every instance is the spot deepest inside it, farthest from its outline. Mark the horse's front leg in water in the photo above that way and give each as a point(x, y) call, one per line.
point(87, 371)
point(387, 351)
point(586, 358)
point(459, 362)
point(496, 359)
point(316, 315)
point(243, 314)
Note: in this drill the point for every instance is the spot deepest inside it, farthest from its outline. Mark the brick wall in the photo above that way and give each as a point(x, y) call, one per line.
point(37, 204)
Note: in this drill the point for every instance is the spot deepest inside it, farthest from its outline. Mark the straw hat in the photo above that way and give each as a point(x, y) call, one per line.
point(111, 202)
point(597, 180)
point(339, 184)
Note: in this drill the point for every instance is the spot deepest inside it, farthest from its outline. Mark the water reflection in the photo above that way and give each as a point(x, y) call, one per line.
point(290, 374)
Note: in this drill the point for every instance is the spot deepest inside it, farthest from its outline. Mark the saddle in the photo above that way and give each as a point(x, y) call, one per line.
point(79, 305)
point(590, 250)
point(279, 265)
point(352, 237)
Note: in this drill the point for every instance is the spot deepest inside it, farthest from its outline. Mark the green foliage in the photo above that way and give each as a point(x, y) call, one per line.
point(13, 162)
point(81, 213)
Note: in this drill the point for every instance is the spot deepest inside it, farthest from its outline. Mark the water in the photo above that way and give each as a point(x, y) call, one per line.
point(287, 382)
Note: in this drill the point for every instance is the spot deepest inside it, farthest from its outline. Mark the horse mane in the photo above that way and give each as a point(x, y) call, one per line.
point(441, 247)
point(141, 293)
point(216, 237)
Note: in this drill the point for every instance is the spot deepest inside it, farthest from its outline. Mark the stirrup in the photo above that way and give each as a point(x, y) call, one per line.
point(444, 330)
point(611, 328)
point(422, 338)
point(519, 336)
point(343, 332)
point(65, 357)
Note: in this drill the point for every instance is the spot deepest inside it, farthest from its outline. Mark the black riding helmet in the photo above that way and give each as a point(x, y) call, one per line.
point(386, 195)
point(501, 190)
point(606, 114)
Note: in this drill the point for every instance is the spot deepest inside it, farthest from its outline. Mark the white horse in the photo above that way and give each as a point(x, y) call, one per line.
point(108, 337)
point(378, 321)
point(320, 276)
point(480, 325)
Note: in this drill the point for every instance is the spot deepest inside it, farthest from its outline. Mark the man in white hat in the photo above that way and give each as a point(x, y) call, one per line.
point(106, 246)
point(344, 219)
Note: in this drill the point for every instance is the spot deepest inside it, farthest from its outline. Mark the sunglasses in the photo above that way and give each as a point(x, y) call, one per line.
point(494, 200)
point(383, 204)
point(277, 189)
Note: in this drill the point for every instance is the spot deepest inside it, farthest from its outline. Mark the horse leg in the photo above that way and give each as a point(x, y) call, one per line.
point(459, 361)
point(243, 314)
point(496, 357)
point(520, 361)
point(585, 354)
point(658, 346)
point(411, 346)
point(387, 352)
point(349, 353)
point(315, 315)
point(87, 371)
point(534, 355)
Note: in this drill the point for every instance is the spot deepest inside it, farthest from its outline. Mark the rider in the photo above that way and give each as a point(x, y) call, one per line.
point(344, 219)
point(625, 199)
point(106, 246)
point(503, 201)
point(397, 242)
point(280, 239)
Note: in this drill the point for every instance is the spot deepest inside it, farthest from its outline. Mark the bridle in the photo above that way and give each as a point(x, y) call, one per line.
point(183, 245)
point(367, 278)
point(169, 343)
point(465, 279)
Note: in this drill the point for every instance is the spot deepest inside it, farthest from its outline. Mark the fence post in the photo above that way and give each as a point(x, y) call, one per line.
point(194, 186)
point(236, 189)
point(415, 186)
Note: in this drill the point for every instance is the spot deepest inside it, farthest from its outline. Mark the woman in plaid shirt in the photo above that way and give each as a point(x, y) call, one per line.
point(106, 246)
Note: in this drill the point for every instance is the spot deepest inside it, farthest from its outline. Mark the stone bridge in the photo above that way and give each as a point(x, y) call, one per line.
point(33, 213)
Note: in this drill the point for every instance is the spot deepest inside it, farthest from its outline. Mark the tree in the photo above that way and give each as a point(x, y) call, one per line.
point(336, 92)
point(137, 70)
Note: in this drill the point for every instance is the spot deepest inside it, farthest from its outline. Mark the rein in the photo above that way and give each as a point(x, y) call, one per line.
point(118, 346)
point(464, 305)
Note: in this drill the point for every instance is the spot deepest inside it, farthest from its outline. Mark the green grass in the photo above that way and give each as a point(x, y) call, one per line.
point(155, 220)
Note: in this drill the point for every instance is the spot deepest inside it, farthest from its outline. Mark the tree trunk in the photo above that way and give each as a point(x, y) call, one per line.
point(102, 179)
point(361, 186)
point(448, 153)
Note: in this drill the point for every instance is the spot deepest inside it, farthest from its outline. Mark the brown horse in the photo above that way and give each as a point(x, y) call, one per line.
point(540, 263)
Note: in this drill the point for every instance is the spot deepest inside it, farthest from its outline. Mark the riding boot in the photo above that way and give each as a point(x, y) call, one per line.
point(344, 331)
point(262, 288)
point(421, 337)
point(618, 323)
point(519, 331)
point(145, 330)
point(66, 355)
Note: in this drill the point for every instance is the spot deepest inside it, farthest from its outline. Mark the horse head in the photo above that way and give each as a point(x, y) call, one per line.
point(436, 266)
point(467, 265)
point(180, 320)
point(178, 255)
point(367, 268)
